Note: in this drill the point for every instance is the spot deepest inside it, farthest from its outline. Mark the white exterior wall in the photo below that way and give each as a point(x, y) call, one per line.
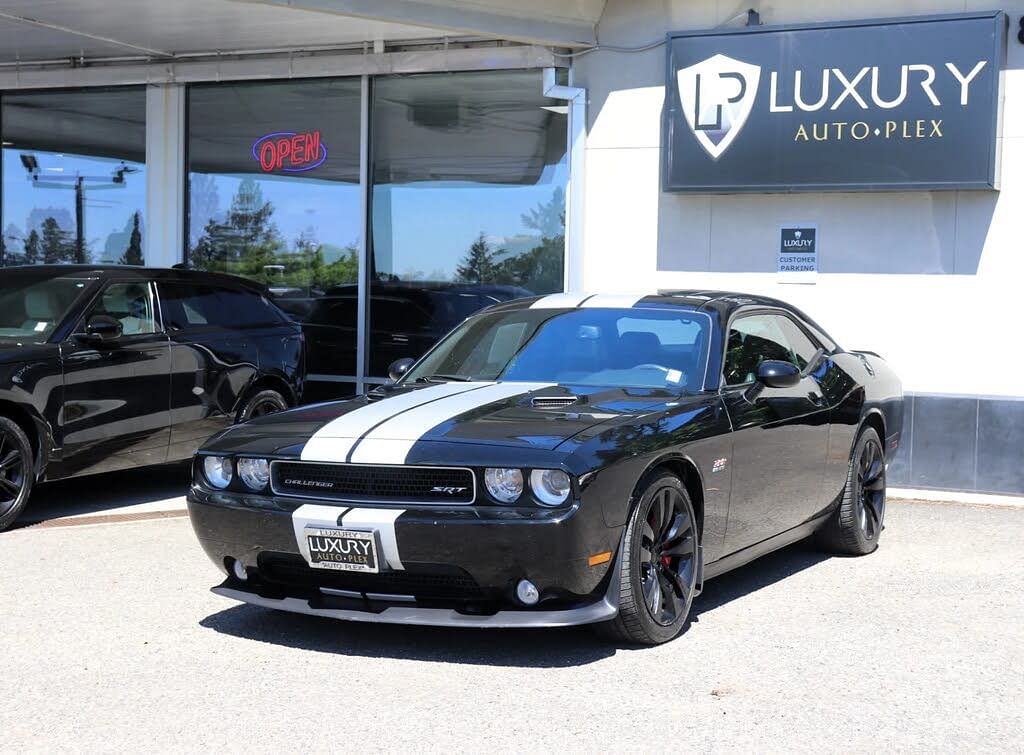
point(932, 280)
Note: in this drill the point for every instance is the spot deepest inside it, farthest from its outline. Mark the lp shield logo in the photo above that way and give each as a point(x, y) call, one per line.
point(717, 95)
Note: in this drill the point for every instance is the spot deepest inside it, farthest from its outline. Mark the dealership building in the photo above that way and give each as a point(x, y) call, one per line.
point(392, 166)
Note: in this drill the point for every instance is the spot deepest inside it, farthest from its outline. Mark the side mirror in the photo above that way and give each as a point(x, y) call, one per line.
point(399, 367)
point(101, 328)
point(777, 374)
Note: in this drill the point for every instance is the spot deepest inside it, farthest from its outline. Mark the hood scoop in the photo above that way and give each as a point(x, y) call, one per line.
point(553, 402)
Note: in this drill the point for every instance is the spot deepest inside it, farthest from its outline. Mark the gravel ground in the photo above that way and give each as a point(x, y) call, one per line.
point(111, 642)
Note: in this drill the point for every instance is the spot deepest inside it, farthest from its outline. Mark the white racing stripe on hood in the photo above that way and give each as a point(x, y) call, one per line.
point(333, 441)
point(390, 442)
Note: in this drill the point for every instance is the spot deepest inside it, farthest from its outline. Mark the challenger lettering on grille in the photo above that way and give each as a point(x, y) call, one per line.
point(309, 483)
point(358, 483)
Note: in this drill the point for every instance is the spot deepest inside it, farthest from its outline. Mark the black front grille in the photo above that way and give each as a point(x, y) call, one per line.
point(361, 483)
point(435, 582)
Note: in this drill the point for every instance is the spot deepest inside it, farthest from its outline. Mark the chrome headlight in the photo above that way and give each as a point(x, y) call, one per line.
point(255, 473)
point(218, 471)
point(550, 486)
point(504, 485)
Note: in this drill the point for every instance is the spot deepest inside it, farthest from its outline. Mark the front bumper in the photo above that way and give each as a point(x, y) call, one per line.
point(443, 567)
point(602, 610)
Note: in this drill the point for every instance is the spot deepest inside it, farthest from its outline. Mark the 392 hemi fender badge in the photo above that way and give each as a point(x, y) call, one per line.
point(718, 465)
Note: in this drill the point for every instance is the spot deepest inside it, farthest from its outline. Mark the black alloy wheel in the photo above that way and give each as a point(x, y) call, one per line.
point(857, 524)
point(15, 471)
point(871, 483)
point(657, 565)
point(668, 556)
point(261, 404)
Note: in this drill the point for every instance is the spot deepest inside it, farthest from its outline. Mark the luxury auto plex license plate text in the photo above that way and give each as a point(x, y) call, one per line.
point(344, 550)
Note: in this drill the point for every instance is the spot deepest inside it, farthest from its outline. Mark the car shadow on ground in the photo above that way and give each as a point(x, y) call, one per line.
point(546, 648)
point(97, 494)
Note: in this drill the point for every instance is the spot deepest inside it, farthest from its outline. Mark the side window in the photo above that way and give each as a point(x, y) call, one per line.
point(756, 338)
point(243, 308)
point(186, 306)
point(129, 303)
point(800, 345)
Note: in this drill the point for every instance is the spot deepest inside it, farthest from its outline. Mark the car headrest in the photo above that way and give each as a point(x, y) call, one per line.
point(638, 348)
point(41, 305)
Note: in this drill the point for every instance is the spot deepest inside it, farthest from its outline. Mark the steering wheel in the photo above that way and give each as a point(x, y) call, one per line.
point(651, 366)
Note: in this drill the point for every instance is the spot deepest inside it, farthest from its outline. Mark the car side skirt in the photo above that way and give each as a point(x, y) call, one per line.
point(774, 543)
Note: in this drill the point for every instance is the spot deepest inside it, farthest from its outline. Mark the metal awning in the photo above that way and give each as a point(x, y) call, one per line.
point(75, 30)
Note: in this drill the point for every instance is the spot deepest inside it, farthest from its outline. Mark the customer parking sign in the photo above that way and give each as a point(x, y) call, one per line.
point(798, 253)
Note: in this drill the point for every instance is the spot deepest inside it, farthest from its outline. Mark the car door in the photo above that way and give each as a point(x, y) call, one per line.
point(213, 360)
point(115, 412)
point(780, 434)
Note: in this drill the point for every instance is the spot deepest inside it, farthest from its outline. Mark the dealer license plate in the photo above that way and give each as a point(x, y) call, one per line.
point(342, 550)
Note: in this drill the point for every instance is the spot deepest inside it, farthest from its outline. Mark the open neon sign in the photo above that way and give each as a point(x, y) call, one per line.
point(289, 151)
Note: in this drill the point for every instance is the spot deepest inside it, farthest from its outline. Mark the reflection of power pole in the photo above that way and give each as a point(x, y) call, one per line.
point(79, 222)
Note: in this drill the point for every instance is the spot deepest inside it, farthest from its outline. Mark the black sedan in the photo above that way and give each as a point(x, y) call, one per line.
point(103, 368)
point(556, 461)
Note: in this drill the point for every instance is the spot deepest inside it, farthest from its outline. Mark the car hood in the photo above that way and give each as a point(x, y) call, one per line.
point(386, 424)
point(19, 351)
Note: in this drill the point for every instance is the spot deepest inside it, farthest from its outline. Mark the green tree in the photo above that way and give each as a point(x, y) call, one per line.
point(548, 217)
point(32, 247)
point(57, 245)
point(478, 264)
point(247, 242)
point(133, 254)
point(541, 269)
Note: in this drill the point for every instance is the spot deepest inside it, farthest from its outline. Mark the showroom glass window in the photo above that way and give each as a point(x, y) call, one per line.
point(468, 204)
point(74, 176)
point(273, 186)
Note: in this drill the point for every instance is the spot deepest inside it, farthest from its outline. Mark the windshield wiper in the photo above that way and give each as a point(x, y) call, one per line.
point(440, 378)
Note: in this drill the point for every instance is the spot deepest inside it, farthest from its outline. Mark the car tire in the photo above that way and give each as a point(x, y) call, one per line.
point(17, 471)
point(261, 404)
point(659, 554)
point(858, 521)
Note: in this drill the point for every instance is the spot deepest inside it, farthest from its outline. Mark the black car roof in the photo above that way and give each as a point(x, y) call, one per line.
point(720, 303)
point(133, 271)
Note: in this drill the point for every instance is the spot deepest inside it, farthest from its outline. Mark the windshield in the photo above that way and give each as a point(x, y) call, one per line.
point(641, 348)
point(30, 308)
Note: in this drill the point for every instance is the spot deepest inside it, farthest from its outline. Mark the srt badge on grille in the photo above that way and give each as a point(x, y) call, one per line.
point(309, 483)
point(447, 489)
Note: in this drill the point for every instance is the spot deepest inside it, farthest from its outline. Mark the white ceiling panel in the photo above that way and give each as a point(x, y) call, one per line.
point(178, 26)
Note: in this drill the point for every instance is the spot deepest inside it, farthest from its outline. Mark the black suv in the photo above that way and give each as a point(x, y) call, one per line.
point(103, 368)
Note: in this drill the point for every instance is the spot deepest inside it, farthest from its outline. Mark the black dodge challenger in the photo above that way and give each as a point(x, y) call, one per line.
point(563, 460)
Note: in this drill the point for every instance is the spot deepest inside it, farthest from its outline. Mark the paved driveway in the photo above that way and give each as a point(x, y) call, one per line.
point(111, 641)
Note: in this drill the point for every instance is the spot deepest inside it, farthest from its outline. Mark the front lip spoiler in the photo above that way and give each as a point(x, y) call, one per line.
point(603, 610)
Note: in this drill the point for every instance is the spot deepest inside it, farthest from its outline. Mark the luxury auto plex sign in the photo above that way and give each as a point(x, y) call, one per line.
point(904, 103)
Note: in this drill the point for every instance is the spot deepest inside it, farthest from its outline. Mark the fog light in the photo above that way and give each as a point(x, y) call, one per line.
point(527, 593)
point(238, 569)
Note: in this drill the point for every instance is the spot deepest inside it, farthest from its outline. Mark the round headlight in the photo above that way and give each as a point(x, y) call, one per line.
point(551, 486)
point(218, 471)
point(504, 485)
point(255, 473)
